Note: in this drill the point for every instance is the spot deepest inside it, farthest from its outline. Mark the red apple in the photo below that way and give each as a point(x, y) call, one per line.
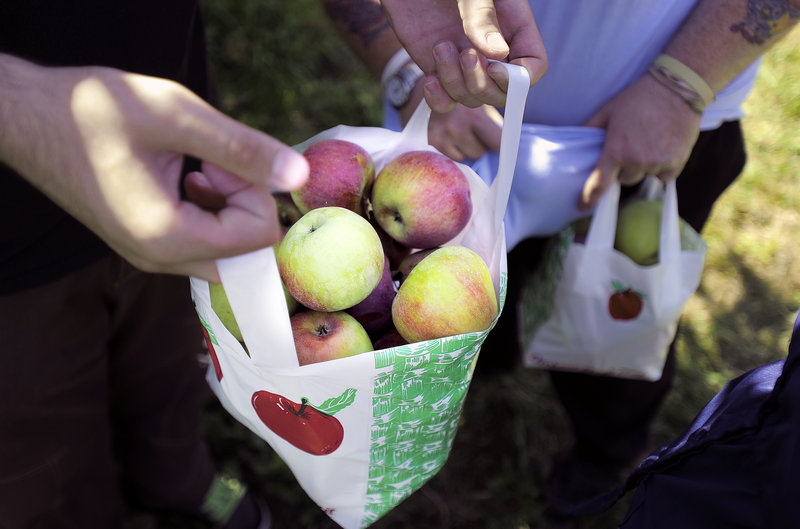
point(340, 174)
point(322, 336)
point(390, 338)
point(449, 292)
point(393, 249)
point(375, 312)
point(422, 199)
point(299, 424)
point(625, 303)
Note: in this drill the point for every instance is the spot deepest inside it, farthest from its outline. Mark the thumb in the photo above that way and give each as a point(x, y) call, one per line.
point(599, 180)
point(482, 27)
point(243, 151)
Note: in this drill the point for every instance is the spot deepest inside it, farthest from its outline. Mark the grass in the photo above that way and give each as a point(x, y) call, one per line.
point(281, 69)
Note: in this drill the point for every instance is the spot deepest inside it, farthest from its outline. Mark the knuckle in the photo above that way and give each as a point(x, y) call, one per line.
point(241, 150)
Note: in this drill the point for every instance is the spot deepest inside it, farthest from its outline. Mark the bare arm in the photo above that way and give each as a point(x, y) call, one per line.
point(107, 146)
point(457, 131)
point(450, 40)
point(649, 128)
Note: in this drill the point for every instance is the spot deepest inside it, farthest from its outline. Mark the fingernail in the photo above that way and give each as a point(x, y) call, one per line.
point(442, 52)
point(289, 170)
point(469, 60)
point(497, 43)
point(497, 71)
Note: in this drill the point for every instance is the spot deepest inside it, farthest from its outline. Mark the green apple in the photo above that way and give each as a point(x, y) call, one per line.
point(330, 259)
point(638, 230)
point(421, 199)
point(222, 307)
point(321, 336)
point(448, 292)
point(340, 174)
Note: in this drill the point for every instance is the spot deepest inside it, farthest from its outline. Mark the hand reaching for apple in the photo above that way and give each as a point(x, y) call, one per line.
point(649, 130)
point(107, 146)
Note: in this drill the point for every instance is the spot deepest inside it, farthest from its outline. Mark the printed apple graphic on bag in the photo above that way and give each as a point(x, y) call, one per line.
point(312, 429)
point(211, 352)
point(625, 303)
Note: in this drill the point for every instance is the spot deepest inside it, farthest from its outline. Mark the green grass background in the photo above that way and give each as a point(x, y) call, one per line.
point(281, 68)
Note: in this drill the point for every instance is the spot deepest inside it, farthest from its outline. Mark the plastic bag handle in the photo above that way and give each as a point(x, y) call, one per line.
point(518, 87)
point(252, 281)
point(269, 339)
point(603, 226)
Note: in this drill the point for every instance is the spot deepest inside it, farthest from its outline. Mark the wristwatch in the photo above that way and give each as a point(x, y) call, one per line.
point(398, 86)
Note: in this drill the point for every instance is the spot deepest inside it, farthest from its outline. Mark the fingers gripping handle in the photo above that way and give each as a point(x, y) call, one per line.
point(603, 227)
point(518, 87)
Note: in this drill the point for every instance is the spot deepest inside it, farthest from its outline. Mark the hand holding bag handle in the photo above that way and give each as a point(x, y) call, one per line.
point(252, 281)
point(603, 226)
point(665, 296)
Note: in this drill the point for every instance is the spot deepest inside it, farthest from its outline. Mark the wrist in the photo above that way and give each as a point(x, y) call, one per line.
point(683, 81)
point(400, 79)
point(414, 99)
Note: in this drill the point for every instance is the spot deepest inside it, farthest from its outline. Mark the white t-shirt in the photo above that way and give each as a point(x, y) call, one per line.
point(597, 48)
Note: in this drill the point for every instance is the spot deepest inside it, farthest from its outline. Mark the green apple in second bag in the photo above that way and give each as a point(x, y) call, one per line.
point(639, 230)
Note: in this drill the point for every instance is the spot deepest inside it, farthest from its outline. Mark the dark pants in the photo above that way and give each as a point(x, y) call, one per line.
point(611, 416)
point(101, 397)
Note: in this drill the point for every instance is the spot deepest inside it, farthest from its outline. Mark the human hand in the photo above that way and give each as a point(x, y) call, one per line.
point(650, 130)
point(452, 41)
point(466, 132)
point(108, 147)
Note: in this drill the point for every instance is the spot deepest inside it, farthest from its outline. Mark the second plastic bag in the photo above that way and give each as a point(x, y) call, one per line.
point(590, 308)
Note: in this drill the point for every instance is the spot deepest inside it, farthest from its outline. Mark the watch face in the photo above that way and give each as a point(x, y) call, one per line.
point(399, 86)
point(396, 91)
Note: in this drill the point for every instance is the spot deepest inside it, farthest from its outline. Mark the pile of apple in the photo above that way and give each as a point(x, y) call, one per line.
point(364, 259)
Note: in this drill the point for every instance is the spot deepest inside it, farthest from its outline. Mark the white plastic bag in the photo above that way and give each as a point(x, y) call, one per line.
point(570, 309)
point(360, 433)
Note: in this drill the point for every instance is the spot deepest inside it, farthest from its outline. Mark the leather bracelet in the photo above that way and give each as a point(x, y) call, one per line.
point(682, 80)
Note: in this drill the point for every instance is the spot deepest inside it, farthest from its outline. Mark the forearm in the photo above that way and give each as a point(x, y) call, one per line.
point(18, 125)
point(720, 38)
point(365, 28)
point(38, 130)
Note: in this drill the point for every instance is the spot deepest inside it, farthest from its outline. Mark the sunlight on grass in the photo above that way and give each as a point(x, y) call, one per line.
point(742, 314)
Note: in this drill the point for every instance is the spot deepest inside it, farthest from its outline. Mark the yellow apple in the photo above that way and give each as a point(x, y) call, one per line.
point(448, 292)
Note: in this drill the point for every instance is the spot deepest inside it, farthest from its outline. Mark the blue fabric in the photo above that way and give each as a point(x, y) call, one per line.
point(737, 465)
point(552, 166)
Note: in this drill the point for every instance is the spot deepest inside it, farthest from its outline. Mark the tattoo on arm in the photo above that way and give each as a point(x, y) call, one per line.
point(765, 19)
point(363, 18)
